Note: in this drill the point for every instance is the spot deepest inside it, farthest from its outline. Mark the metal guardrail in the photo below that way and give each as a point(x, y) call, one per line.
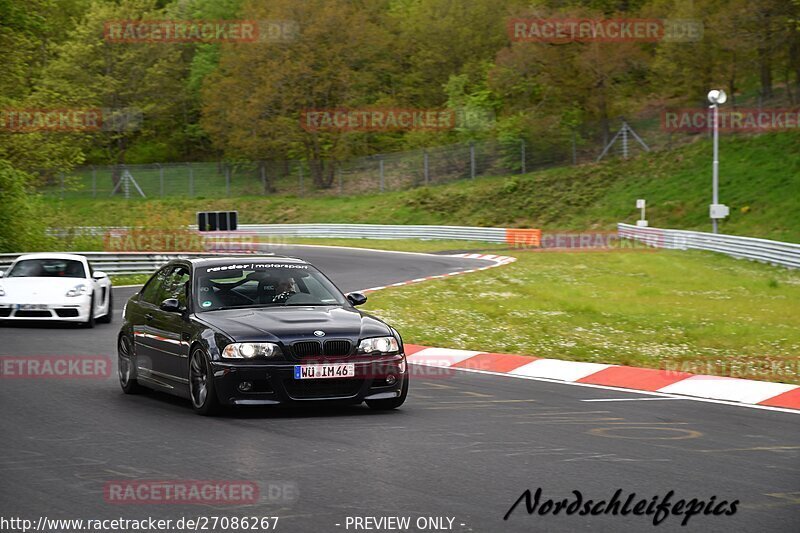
point(763, 250)
point(130, 262)
point(376, 231)
point(355, 231)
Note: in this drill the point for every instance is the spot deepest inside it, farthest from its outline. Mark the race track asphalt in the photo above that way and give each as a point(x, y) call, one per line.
point(464, 446)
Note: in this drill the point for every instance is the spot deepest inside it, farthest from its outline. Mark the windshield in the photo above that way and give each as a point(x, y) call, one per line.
point(47, 268)
point(243, 285)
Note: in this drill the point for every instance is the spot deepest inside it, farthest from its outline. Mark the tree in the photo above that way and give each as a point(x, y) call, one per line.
point(21, 223)
point(146, 78)
point(254, 100)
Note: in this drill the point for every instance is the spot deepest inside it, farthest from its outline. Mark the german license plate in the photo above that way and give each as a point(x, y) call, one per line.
point(324, 371)
point(31, 307)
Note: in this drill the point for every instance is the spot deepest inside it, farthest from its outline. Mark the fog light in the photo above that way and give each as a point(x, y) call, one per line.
point(245, 386)
point(391, 379)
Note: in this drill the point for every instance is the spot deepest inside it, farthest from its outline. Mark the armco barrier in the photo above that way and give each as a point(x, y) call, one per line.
point(128, 262)
point(766, 251)
point(514, 236)
point(527, 237)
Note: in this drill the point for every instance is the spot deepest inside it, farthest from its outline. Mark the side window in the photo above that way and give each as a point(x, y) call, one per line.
point(175, 286)
point(152, 290)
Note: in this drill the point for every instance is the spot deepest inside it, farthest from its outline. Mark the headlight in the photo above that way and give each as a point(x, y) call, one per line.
point(249, 350)
point(384, 345)
point(78, 290)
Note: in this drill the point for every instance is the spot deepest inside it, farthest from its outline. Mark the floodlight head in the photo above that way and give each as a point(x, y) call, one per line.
point(717, 96)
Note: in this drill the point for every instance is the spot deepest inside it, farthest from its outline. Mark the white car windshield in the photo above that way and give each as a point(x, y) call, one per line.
point(47, 268)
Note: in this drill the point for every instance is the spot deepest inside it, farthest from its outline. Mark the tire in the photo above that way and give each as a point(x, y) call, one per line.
point(126, 368)
point(106, 319)
point(201, 385)
point(391, 403)
point(89, 323)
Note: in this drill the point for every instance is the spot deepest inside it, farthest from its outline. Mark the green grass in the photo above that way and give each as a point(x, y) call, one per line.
point(129, 279)
point(686, 311)
point(759, 180)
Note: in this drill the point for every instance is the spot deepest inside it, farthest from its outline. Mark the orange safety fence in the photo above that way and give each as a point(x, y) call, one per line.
point(523, 237)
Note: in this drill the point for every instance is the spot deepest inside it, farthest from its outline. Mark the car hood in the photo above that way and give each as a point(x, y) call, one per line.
point(289, 324)
point(34, 290)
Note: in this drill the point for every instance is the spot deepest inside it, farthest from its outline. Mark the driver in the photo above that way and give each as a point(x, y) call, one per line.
point(285, 289)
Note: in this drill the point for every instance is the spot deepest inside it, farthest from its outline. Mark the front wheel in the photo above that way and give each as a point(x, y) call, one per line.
point(201, 385)
point(391, 403)
point(125, 367)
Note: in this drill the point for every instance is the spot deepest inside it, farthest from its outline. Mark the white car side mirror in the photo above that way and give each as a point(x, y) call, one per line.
point(99, 274)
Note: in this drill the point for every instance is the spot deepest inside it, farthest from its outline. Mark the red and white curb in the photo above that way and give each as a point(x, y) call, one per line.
point(666, 382)
point(498, 260)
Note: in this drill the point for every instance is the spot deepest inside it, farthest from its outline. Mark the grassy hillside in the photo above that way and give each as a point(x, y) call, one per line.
point(759, 180)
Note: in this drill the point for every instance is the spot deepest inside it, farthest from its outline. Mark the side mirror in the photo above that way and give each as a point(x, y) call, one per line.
point(171, 305)
point(99, 274)
point(356, 298)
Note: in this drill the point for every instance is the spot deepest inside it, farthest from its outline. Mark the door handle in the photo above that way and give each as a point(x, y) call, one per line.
point(148, 317)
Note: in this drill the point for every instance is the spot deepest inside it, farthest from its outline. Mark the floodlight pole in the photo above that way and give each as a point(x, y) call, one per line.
point(715, 165)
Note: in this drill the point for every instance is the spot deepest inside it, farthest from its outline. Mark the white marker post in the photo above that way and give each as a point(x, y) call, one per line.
point(642, 222)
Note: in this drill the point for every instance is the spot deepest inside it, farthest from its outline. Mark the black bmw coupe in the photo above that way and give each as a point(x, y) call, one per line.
point(257, 331)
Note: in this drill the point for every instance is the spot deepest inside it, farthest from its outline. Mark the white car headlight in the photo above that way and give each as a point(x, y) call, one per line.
point(384, 345)
point(249, 350)
point(78, 290)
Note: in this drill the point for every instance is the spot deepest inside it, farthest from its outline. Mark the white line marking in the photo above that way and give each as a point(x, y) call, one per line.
point(630, 399)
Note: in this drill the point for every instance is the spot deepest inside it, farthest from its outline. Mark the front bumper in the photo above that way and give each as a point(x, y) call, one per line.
point(72, 310)
point(273, 383)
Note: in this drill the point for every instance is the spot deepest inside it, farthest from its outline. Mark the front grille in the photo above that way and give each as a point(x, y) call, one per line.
point(301, 389)
point(65, 313)
point(337, 348)
point(32, 314)
point(307, 349)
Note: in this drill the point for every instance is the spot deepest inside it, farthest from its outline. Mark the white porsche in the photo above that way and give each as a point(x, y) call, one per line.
point(61, 287)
